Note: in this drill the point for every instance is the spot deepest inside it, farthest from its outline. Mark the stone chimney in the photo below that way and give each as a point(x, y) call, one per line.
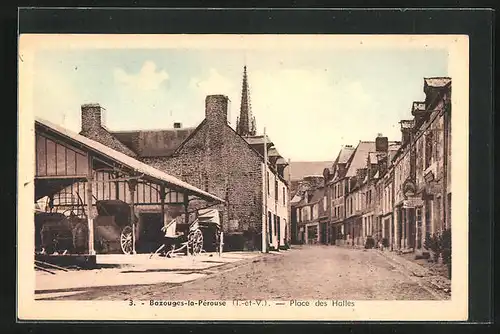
point(381, 143)
point(91, 117)
point(216, 107)
point(177, 125)
point(406, 130)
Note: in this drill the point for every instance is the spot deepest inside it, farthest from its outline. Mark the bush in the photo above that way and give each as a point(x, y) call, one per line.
point(370, 242)
point(446, 246)
point(440, 245)
point(433, 243)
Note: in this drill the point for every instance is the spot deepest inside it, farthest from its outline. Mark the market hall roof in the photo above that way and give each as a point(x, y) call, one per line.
point(149, 172)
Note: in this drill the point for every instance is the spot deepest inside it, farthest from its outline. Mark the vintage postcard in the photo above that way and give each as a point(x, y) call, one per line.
point(243, 177)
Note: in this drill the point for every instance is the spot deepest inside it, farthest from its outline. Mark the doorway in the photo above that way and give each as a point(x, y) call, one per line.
point(322, 233)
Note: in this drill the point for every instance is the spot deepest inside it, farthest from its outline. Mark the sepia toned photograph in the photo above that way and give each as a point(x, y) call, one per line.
point(243, 177)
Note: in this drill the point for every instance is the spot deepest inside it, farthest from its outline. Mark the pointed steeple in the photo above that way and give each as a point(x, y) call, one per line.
point(245, 124)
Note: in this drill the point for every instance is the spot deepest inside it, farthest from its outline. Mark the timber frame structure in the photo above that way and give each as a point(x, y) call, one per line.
point(69, 162)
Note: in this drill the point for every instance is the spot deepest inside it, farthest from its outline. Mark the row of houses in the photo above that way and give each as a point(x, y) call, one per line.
point(239, 166)
point(397, 192)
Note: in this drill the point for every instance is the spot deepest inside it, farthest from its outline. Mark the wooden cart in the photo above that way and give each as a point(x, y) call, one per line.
point(202, 234)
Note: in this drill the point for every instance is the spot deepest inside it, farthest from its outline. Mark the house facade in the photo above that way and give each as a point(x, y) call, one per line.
point(433, 165)
point(336, 190)
point(217, 158)
point(309, 211)
point(214, 157)
point(312, 214)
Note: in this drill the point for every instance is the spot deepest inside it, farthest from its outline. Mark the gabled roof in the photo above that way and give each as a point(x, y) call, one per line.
point(317, 195)
point(344, 154)
point(125, 160)
point(359, 157)
point(273, 152)
point(314, 196)
point(343, 157)
point(301, 169)
point(153, 143)
point(103, 135)
point(295, 199)
point(258, 140)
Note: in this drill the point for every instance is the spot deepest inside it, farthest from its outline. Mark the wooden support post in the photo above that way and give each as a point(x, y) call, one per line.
point(90, 217)
point(162, 203)
point(132, 184)
point(186, 217)
point(186, 208)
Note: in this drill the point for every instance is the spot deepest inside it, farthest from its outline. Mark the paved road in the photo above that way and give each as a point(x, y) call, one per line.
point(308, 272)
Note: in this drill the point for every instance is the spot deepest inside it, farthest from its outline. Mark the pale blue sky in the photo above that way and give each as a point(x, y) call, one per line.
point(311, 102)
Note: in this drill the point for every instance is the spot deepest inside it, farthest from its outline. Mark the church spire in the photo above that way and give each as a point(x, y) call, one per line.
point(245, 124)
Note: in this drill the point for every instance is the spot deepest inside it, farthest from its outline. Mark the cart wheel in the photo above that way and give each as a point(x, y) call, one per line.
point(196, 242)
point(126, 240)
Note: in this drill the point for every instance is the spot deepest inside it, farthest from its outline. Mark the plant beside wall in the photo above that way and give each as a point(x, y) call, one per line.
point(440, 246)
point(433, 243)
point(446, 249)
point(370, 242)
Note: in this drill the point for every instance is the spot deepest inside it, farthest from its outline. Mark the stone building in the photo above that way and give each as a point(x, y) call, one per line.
point(433, 164)
point(312, 217)
point(398, 192)
point(355, 192)
point(418, 181)
point(302, 198)
point(214, 157)
point(335, 178)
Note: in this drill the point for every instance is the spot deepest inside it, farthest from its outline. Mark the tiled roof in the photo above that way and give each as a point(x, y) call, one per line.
point(154, 143)
point(296, 199)
point(258, 140)
point(126, 160)
point(281, 161)
point(359, 157)
point(273, 152)
point(301, 169)
point(102, 135)
point(318, 195)
point(344, 154)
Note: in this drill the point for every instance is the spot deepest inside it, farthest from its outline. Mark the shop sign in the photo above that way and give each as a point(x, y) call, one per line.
point(412, 202)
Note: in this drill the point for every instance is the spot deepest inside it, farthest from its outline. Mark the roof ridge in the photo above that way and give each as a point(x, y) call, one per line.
point(153, 130)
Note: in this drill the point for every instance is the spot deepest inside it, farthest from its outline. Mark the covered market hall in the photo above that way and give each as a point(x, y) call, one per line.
point(91, 199)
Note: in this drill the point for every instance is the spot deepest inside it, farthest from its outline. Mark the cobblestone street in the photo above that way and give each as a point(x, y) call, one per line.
point(305, 272)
